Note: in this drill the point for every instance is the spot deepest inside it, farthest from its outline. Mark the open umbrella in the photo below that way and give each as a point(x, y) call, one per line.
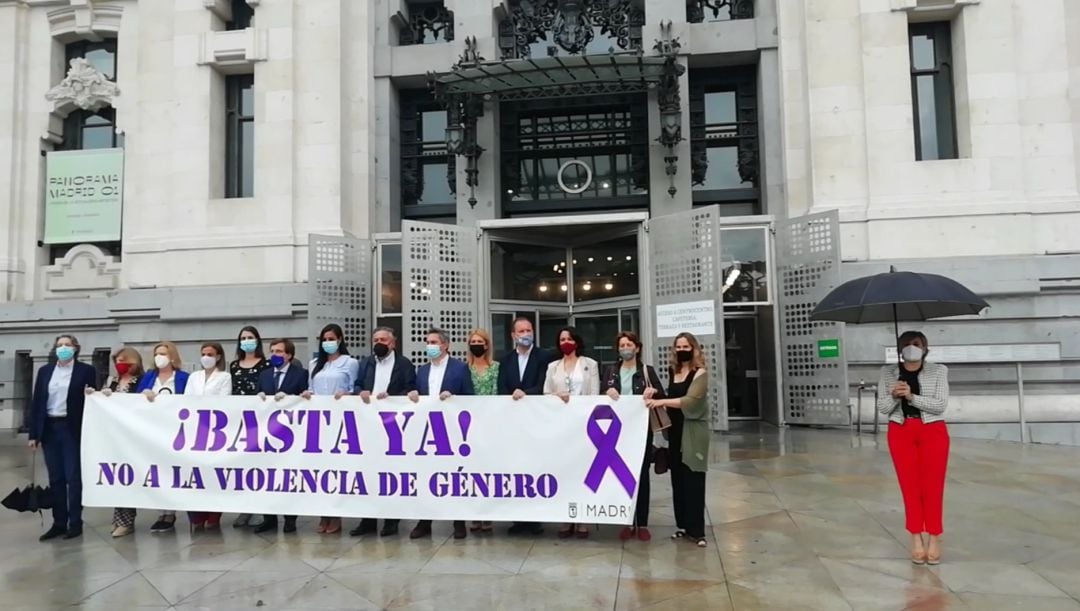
point(896, 296)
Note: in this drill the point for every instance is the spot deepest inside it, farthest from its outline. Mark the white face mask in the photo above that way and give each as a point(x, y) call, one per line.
point(208, 362)
point(912, 353)
point(161, 361)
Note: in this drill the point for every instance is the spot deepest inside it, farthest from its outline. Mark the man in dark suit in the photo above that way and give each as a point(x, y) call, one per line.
point(442, 376)
point(384, 374)
point(56, 416)
point(521, 373)
point(284, 376)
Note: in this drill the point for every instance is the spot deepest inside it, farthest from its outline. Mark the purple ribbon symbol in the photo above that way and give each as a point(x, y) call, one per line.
point(607, 457)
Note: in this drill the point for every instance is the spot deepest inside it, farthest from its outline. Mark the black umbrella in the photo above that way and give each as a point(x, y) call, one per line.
point(32, 498)
point(896, 296)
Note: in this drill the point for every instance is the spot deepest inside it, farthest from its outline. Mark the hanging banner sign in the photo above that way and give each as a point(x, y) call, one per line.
point(697, 317)
point(84, 196)
point(466, 458)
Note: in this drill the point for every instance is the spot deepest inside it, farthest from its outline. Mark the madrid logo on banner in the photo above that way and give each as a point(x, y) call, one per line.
point(466, 458)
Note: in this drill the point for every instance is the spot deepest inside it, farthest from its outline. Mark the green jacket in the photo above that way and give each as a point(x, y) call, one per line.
point(696, 432)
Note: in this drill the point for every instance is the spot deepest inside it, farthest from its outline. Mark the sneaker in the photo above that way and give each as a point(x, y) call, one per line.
point(122, 531)
point(163, 526)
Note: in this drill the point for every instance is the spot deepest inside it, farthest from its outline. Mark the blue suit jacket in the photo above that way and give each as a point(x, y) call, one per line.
point(147, 381)
point(295, 382)
point(82, 375)
point(457, 380)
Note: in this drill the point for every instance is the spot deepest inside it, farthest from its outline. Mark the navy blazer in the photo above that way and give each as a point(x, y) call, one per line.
point(532, 383)
point(82, 375)
point(295, 382)
point(457, 380)
point(146, 382)
point(402, 377)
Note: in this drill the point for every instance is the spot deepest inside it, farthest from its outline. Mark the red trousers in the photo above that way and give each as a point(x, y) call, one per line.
point(920, 453)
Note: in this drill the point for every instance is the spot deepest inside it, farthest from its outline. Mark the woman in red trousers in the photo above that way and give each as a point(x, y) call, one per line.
point(914, 395)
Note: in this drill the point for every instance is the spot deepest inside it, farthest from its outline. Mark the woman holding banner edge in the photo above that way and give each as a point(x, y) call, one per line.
point(687, 403)
point(632, 377)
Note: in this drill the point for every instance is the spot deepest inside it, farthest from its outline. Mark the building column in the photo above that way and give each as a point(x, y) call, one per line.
point(12, 33)
point(770, 137)
point(661, 201)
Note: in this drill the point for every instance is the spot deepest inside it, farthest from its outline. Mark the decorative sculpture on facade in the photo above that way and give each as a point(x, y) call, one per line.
point(427, 20)
point(462, 111)
point(669, 101)
point(737, 9)
point(570, 24)
point(84, 87)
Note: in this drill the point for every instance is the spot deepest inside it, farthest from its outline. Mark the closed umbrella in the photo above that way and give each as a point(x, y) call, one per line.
point(32, 498)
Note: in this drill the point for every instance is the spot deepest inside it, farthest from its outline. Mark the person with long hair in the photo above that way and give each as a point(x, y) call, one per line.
point(129, 368)
point(165, 377)
point(573, 375)
point(210, 380)
point(630, 376)
point(913, 395)
point(244, 371)
point(485, 379)
point(56, 415)
point(333, 372)
point(687, 403)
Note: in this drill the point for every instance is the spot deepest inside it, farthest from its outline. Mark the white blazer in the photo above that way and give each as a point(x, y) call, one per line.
point(556, 379)
point(219, 384)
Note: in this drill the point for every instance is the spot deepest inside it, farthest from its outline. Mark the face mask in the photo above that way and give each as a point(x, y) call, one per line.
point(525, 341)
point(627, 354)
point(477, 350)
point(330, 347)
point(122, 369)
point(276, 360)
point(912, 353)
point(249, 345)
point(568, 348)
point(684, 356)
point(161, 361)
point(65, 353)
point(433, 351)
point(207, 362)
point(380, 350)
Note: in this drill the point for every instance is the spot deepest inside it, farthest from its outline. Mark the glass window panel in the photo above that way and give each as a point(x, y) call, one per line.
point(500, 332)
point(390, 277)
point(97, 137)
point(436, 185)
point(607, 269)
point(599, 331)
point(928, 127)
point(723, 172)
point(603, 179)
point(433, 126)
point(720, 107)
point(922, 52)
point(745, 259)
point(103, 61)
point(247, 101)
point(247, 158)
point(528, 272)
point(94, 120)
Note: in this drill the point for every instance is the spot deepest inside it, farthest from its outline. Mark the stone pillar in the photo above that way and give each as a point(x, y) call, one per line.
point(770, 136)
point(488, 192)
point(12, 34)
point(659, 12)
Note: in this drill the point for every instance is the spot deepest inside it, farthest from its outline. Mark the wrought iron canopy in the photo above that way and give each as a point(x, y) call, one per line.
point(557, 76)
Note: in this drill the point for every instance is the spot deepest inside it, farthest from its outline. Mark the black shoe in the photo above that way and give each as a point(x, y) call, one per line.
point(256, 521)
point(365, 527)
point(422, 529)
point(54, 531)
point(459, 530)
point(290, 525)
point(163, 526)
point(74, 532)
point(534, 529)
point(389, 529)
point(266, 526)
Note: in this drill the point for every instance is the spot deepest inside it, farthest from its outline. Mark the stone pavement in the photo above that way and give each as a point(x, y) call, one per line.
point(800, 519)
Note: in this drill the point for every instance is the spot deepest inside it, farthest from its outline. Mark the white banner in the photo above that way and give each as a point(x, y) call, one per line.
point(466, 458)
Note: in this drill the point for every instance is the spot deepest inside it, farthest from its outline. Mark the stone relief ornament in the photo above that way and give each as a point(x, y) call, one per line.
point(84, 87)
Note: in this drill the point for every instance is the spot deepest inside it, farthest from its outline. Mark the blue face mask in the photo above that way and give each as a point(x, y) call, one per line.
point(276, 360)
point(330, 347)
point(525, 341)
point(433, 351)
point(65, 353)
point(249, 345)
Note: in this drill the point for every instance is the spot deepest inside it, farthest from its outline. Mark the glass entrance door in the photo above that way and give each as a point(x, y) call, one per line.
point(742, 375)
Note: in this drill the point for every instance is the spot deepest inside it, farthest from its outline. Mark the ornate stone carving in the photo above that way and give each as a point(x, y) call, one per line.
point(426, 19)
point(569, 24)
point(84, 87)
point(85, 20)
point(737, 9)
point(84, 269)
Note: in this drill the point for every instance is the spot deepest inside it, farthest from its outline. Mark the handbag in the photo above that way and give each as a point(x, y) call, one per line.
point(658, 417)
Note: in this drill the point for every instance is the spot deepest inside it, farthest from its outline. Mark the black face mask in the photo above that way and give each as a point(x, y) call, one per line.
point(684, 356)
point(380, 350)
point(477, 350)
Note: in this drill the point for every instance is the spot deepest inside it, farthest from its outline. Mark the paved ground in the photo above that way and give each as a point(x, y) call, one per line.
point(802, 519)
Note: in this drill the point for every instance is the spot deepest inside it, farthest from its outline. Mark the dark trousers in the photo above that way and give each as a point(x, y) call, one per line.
point(687, 486)
point(372, 523)
point(61, 447)
point(272, 519)
point(641, 512)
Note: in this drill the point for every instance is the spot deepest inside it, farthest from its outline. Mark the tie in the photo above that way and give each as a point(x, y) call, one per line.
point(277, 379)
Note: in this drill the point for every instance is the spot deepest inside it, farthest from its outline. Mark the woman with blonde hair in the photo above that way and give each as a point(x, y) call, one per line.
point(166, 377)
point(485, 379)
point(129, 368)
point(687, 403)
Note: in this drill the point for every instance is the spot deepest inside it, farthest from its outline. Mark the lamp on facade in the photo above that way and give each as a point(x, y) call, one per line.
point(455, 139)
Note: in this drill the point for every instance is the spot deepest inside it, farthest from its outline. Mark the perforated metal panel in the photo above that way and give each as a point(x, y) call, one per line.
point(339, 288)
point(685, 265)
point(808, 256)
point(439, 270)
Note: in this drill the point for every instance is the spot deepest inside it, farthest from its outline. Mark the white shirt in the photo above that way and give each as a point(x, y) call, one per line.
point(384, 367)
point(283, 370)
point(169, 384)
point(336, 375)
point(59, 383)
point(523, 362)
point(219, 384)
point(435, 376)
